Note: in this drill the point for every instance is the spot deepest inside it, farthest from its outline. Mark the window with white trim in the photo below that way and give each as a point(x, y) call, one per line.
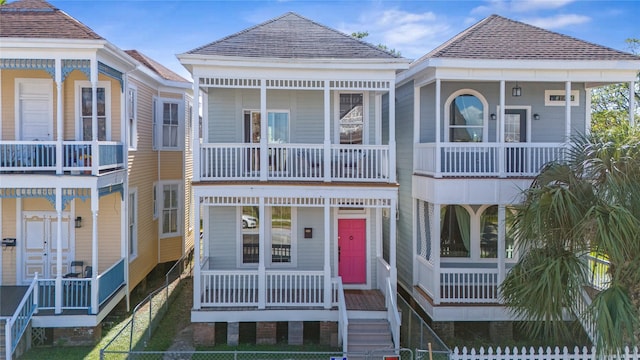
point(154, 119)
point(84, 95)
point(132, 223)
point(132, 109)
point(170, 125)
point(466, 113)
point(351, 120)
point(170, 219)
point(280, 235)
point(155, 201)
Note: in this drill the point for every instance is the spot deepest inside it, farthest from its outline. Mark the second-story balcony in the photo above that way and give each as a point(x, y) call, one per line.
point(483, 159)
point(295, 162)
point(73, 157)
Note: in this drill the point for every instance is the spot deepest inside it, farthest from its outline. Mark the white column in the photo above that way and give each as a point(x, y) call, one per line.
point(59, 118)
point(501, 243)
point(197, 278)
point(327, 132)
point(435, 251)
point(393, 270)
point(95, 200)
point(264, 150)
point(327, 254)
point(438, 172)
point(632, 103)
point(567, 110)
point(501, 123)
point(392, 133)
point(94, 114)
point(195, 140)
point(416, 114)
point(262, 274)
point(58, 288)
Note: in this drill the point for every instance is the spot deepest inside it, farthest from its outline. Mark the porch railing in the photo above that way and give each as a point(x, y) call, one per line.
point(599, 268)
point(294, 288)
point(469, 285)
point(303, 162)
point(16, 325)
point(110, 281)
point(392, 312)
point(76, 156)
point(229, 288)
point(485, 159)
point(75, 294)
point(343, 318)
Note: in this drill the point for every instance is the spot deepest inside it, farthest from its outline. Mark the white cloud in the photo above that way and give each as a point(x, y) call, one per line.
point(519, 6)
point(557, 21)
point(413, 34)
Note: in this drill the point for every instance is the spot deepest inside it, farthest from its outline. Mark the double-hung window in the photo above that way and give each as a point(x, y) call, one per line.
point(170, 125)
point(132, 109)
point(279, 235)
point(132, 223)
point(168, 120)
point(170, 209)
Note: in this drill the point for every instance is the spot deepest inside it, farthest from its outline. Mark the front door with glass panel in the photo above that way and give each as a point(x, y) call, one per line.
point(515, 131)
point(40, 244)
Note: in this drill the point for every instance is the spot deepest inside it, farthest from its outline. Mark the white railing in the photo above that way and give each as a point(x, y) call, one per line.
point(485, 159)
point(304, 162)
point(599, 268)
point(77, 156)
point(531, 353)
point(295, 288)
point(392, 313)
point(383, 271)
point(16, 325)
point(229, 288)
point(426, 278)
point(581, 309)
point(469, 285)
point(343, 319)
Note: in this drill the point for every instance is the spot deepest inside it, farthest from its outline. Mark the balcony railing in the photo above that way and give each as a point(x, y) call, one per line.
point(77, 156)
point(485, 159)
point(301, 162)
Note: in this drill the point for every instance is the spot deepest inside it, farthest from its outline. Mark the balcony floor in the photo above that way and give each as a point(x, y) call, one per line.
point(367, 300)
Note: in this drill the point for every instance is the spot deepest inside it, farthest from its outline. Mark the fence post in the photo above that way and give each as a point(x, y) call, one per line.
point(133, 318)
point(150, 316)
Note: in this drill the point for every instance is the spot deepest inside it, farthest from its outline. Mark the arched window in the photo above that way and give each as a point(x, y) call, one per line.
point(466, 113)
point(489, 232)
point(455, 233)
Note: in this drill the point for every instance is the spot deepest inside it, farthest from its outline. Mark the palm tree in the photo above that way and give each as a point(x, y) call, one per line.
point(588, 204)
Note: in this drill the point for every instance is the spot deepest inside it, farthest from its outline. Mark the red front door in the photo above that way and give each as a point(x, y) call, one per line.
point(352, 260)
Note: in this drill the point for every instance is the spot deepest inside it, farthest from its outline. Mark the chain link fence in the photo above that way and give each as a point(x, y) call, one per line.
point(390, 354)
point(416, 334)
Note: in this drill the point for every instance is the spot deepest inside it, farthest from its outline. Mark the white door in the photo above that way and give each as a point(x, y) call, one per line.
point(40, 245)
point(35, 110)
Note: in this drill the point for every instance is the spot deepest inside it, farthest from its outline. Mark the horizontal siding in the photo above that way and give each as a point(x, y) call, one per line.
point(8, 223)
point(310, 251)
point(307, 122)
point(222, 237)
point(224, 122)
point(170, 249)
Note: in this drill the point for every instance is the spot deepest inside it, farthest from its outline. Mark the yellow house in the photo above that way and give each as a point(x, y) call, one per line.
point(93, 177)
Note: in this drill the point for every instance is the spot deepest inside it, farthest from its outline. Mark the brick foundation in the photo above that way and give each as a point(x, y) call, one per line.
point(329, 333)
point(296, 333)
point(266, 333)
point(444, 329)
point(499, 331)
point(204, 334)
point(77, 336)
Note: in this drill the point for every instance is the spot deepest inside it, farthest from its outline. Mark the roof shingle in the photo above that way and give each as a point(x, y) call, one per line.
point(292, 36)
point(39, 19)
point(499, 38)
point(155, 66)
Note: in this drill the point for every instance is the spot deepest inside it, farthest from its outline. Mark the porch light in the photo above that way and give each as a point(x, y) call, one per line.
point(78, 222)
point(493, 116)
point(536, 116)
point(516, 90)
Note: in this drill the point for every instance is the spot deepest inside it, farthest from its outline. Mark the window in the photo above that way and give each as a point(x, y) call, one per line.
point(277, 126)
point(132, 109)
point(133, 224)
point(466, 114)
point(85, 110)
point(170, 206)
point(454, 231)
point(351, 118)
point(170, 125)
point(250, 236)
point(489, 232)
point(510, 248)
point(155, 201)
point(154, 119)
point(281, 234)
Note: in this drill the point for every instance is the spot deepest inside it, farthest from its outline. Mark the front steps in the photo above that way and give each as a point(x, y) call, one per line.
point(369, 335)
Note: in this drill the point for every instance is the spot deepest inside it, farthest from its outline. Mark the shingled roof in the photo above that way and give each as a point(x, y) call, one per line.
point(39, 19)
point(155, 66)
point(292, 36)
point(499, 38)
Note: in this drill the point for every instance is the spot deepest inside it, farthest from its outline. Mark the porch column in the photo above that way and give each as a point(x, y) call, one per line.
point(95, 199)
point(195, 127)
point(327, 254)
point(264, 149)
point(438, 172)
point(416, 124)
point(501, 243)
point(567, 110)
point(632, 103)
point(262, 272)
point(501, 120)
point(197, 292)
point(392, 133)
point(393, 271)
point(94, 115)
point(435, 251)
point(59, 118)
point(327, 132)
point(58, 288)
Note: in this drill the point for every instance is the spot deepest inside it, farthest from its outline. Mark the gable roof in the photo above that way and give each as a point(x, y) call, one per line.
point(499, 38)
point(39, 19)
point(291, 36)
point(155, 66)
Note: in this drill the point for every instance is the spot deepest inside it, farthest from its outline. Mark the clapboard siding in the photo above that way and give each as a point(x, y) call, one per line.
point(223, 228)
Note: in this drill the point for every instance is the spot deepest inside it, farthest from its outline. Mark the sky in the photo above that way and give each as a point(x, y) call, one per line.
point(163, 28)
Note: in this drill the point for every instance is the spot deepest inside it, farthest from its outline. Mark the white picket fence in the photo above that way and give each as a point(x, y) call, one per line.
point(540, 354)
